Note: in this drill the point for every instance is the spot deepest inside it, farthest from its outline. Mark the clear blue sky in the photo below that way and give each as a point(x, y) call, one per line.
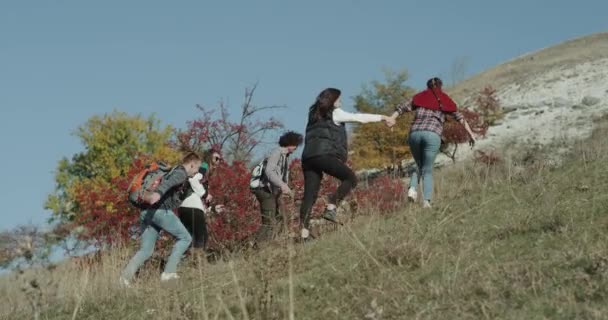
point(64, 61)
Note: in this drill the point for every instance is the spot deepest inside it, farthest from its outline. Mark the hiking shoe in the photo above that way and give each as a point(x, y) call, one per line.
point(168, 276)
point(426, 204)
point(305, 235)
point(412, 195)
point(124, 282)
point(330, 215)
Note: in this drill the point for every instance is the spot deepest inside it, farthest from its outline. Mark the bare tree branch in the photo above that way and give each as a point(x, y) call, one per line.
point(237, 139)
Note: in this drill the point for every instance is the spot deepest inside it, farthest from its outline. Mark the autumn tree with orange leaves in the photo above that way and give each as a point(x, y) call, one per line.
point(374, 145)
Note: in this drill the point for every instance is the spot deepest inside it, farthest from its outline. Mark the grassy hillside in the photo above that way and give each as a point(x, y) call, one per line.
point(516, 240)
point(521, 239)
point(563, 55)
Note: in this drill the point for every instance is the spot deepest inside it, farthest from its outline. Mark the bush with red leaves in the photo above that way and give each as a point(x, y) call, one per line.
point(229, 185)
point(108, 216)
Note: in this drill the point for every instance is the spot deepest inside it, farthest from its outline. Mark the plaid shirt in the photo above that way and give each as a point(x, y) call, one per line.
point(426, 119)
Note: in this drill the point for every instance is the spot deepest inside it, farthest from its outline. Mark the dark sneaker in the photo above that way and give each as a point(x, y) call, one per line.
point(330, 215)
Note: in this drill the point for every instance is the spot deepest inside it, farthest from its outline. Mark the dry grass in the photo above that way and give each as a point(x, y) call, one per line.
point(564, 55)
point(517, 240)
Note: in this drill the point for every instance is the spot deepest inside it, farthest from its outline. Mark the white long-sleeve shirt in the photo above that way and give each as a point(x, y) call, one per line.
point(340, 116)
point(194, 200)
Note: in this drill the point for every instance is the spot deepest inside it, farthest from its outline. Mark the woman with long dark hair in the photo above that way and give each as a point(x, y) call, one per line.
point(431, 107)
point(326, 151)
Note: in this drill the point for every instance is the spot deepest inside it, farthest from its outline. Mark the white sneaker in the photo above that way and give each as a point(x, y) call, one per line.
point(124, 282)
point(304, 233)
point(412, 195)
point(168, 276)
point(426, 204)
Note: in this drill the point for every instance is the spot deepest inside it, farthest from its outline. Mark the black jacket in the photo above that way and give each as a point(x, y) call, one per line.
point(324, 138)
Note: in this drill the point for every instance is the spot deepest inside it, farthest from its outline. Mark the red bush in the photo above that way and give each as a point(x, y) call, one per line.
point(229, 185)
point(383, 193)
point(454, 132)
point(107, 216)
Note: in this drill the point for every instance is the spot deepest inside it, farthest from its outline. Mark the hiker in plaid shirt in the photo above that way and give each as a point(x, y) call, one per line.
point(431, 107)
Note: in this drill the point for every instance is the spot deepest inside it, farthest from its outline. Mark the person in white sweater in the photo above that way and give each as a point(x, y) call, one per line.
point(326, 151)
point(192, 210)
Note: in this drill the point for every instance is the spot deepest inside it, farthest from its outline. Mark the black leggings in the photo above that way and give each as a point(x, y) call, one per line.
point(313, 174)
point(194, 221)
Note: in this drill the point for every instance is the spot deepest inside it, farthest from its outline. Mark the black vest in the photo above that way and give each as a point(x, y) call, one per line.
point(324, 138)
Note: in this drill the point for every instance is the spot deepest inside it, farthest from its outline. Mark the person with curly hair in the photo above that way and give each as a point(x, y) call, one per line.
point(272, 183)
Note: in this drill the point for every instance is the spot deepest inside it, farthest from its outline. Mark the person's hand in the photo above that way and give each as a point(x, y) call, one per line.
point(389, 121)
point(286, 190)
point(219, 208)
point(472, 142)
point(153, 198)
point(209, 198)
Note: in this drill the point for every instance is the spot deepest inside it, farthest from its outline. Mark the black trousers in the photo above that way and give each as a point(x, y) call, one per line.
point(194, 221)
point(314, 169)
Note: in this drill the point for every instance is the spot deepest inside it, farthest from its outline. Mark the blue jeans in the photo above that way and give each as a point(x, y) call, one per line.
point(424, 146)
point(153, 221)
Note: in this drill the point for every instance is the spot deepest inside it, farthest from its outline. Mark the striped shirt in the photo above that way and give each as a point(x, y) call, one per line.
point(426, 119)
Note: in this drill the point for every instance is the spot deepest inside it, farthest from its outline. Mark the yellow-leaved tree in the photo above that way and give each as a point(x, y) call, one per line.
point(111, 142)
point(374, 145)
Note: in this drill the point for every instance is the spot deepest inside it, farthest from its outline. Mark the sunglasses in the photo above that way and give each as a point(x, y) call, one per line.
point(217, 159)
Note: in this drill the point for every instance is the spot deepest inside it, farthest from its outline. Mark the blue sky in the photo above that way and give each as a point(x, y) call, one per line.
point(62, 62)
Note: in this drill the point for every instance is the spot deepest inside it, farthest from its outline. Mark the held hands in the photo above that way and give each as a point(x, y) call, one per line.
point(389, 121)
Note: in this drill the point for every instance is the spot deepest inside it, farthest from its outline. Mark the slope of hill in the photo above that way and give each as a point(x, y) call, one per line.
point(520, 239)
point(550, 96)
point(500, 243)
point(564, 55)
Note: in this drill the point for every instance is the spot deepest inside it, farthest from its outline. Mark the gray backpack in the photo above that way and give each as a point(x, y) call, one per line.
point(146, 182)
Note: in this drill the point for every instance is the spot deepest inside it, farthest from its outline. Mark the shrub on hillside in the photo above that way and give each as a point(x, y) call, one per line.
point(107, 217)
point(229, 184)
point(455, 134)
point(488, 105)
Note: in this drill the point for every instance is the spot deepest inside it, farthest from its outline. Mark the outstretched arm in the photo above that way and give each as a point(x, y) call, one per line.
point(460, 118)
point(341, 116)
point(401, 108)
